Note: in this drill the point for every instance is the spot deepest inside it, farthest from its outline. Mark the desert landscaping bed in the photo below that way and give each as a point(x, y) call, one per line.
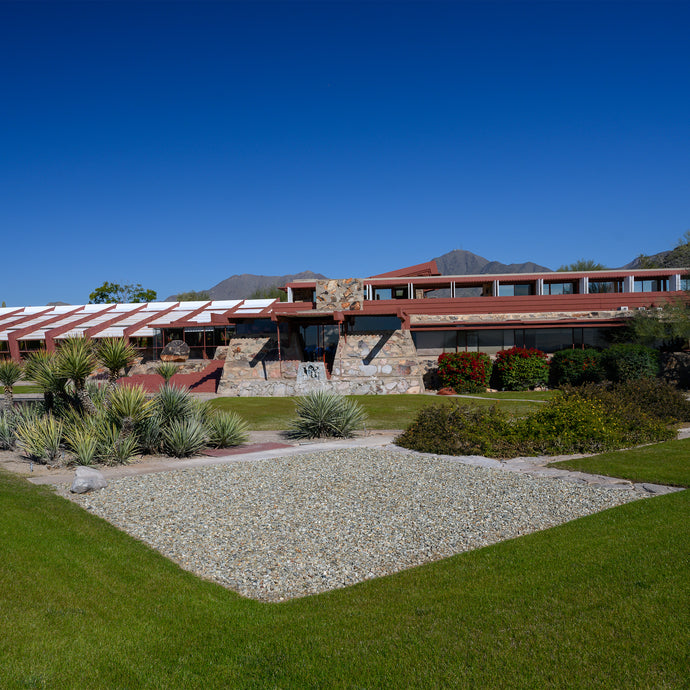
point(289, 527)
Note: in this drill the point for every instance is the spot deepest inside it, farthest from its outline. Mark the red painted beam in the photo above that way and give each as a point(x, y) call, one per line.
point(98, 328)
point(15, 336)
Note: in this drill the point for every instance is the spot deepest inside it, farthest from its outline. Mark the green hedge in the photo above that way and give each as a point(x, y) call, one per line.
point(575, 367)
point(465, 372)
point(590, 419)
point(519, 369)
point(630, 361)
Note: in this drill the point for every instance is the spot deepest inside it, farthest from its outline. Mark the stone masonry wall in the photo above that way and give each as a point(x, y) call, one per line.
point(372, 363)
point(339, 295)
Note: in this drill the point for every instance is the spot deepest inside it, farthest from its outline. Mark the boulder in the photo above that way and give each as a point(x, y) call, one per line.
point(175, 351)
point(87, 479)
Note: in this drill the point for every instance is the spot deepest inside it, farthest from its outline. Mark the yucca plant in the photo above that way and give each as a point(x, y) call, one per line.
point(322, 414)
point(167, 370)
point(149, 432)
point(183, 438)
point(173, 403)
point(83, 442)
point(76, 360)
point(115, 355)
point(40, 439)
point(226, 429)
point(7, 429)
point(114, 447)
point(10, 373)
point(129, 407)
point(42, 368)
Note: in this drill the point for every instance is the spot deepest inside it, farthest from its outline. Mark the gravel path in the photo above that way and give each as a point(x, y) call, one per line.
point(289, 527)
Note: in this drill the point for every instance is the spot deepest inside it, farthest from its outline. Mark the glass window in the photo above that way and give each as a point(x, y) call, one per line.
point(382, 293)
point(651, 285)
point(515, 289)
point(256, 327)
point(605, 286)
point(364, 324)
point(434, 342)
point(559, 288)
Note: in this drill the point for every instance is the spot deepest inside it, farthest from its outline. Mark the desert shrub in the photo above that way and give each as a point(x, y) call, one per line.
point(629, 361)
point(588, 419)
point(575, 367)
point(579, 424)
point(183, 438)
point(322, 414)
point(519, 369)
point(457, 429)
point(40, 438)
point(226, 429)
point(465, 372)
point(650, 397)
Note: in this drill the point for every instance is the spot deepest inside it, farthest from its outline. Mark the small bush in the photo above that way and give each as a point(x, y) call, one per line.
point(456, 429)
point(465, 372)
point(323, 414)
point(184, 437)
point(167, 370)
point(630, 361)
point(226, 429)
point(149, 432)
point(115, 447)
point(520, 369)
point(83, 442)
point(575, 367)
point(7, 427)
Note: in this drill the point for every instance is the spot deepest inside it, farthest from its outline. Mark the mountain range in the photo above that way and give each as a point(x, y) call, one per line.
point(456, 262)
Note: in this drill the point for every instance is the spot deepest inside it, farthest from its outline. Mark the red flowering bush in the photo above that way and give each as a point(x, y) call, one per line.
point(520, 369)
point(465, 372)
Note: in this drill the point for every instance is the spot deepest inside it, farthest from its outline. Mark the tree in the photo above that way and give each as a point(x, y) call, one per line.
point(272, 292)
point(41, 367)
point(667, 326)
point(111, 293)
point(10, 373)
point(193, 296)
point(583, 265)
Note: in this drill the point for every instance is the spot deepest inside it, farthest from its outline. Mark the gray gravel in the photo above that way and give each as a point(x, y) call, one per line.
point(289, 527)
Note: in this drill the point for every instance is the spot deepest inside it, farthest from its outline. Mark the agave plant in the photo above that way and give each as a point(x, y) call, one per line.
point(7, 429)
point(167, 370)
point(226, 429)
point(114, 447)
point(323, 414)
point(115, 355)
point(76, 360)
point(183, 438)
point(10, 373)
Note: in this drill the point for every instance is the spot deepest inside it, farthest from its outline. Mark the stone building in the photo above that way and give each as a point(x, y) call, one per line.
point(381, 334)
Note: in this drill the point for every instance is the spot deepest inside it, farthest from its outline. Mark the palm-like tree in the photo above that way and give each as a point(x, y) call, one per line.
point(76, 360)
point(167, 370)
point(10, 373)
point(41, 367)
point(115, 355)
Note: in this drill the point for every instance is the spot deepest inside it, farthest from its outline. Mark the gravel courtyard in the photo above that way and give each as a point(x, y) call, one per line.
point(289, 527)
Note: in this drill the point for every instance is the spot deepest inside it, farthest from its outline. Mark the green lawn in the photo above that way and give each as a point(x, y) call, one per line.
point(601, 602)
point(384, 411)
point(664, 463)
point(26, 388)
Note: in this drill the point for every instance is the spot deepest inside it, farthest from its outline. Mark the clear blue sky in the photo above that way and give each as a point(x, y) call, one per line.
point(174, 144)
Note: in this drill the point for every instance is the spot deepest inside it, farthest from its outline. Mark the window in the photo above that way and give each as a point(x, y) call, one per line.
point(651, 285)
point(605, 286)
point(559, 288)
point(365, 324)
point(515, 289)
